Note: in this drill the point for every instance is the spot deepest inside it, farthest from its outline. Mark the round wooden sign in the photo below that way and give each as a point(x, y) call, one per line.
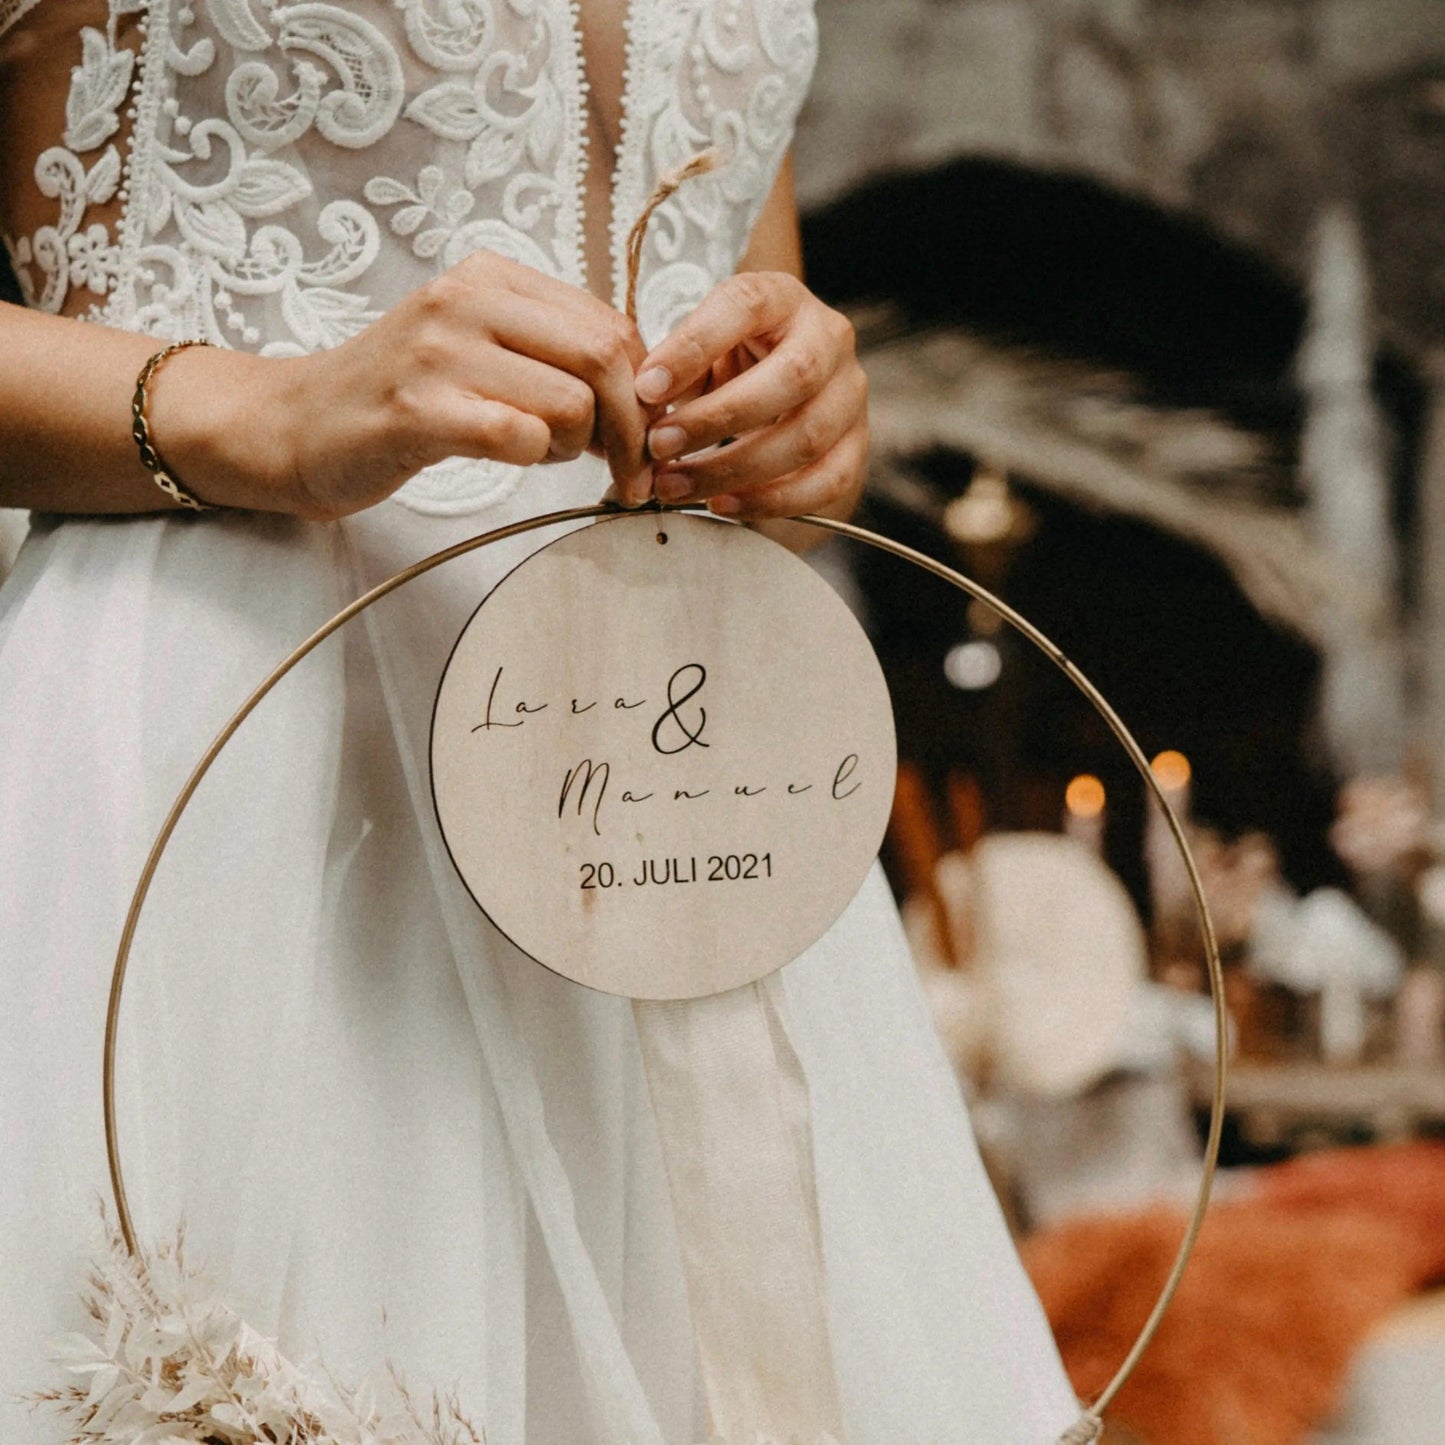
point(663, 756)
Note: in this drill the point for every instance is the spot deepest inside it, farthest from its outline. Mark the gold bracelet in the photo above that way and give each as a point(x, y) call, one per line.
point(140, 430)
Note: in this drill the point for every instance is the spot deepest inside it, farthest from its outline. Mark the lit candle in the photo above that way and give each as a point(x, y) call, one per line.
point(1169, 888)
point(1084, 800)
point(1173, 773)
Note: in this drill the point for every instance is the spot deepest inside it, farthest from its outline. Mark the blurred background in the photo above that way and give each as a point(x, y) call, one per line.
point(1150, 297)
point(1151, 294)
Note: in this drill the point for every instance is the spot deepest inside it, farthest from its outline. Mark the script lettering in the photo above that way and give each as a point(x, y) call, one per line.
point(690, 736)
point(602, 771)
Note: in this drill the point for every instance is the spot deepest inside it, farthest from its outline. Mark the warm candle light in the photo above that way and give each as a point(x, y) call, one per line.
point(1084, 811)
point(1169, 887)
point(1084, 797)
point(986, 512)
point(1172, 770)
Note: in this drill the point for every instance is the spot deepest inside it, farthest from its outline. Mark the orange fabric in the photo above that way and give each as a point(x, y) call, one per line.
point(1281, 1291)
point(1403, 1182)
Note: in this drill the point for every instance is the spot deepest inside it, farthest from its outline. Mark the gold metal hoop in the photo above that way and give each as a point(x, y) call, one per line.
point(842, 529)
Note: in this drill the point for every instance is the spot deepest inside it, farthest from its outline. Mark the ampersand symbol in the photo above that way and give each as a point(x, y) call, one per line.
point(689, 735)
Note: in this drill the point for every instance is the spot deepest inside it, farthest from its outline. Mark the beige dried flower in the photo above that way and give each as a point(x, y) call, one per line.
point(165, 1362)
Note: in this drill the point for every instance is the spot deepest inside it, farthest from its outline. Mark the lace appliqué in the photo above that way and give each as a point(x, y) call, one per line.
point(70, 253)
point(229, 240)
point(12, 12)
point(294, 169)
point(730, 74)
point(460, 486)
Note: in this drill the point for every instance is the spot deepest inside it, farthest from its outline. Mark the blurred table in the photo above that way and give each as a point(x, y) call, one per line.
point(1276, 1101)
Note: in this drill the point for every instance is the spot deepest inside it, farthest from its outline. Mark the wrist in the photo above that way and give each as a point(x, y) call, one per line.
point(222, 420)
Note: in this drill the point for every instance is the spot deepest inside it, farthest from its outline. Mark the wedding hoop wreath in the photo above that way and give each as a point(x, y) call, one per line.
point(164, 1358)
point(179, 1361)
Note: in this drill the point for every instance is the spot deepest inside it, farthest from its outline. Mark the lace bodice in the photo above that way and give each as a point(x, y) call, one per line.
point(272, 176)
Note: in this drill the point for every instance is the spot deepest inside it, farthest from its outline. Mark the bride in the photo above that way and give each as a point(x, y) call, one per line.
point(399, 225)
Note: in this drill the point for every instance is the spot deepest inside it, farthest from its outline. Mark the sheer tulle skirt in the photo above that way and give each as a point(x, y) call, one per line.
point(392, 1136)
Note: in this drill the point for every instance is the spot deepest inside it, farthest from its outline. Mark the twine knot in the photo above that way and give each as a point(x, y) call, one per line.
point(1084, 1431)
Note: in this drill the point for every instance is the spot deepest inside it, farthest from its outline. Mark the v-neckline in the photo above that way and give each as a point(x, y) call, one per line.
point(616, 226)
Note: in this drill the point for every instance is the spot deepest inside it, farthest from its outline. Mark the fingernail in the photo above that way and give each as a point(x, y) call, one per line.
point(666, 441)
point(639, 489)
point(672, 487)
point(726, 505)
point(654, 383)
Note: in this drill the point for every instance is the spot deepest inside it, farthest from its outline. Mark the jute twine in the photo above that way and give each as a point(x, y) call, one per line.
point(699, 165)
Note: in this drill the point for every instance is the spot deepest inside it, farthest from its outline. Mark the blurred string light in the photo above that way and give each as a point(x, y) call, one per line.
point(973, 666)
point(1085, 796)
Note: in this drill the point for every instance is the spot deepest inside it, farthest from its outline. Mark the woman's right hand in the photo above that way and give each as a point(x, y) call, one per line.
point(491, 359)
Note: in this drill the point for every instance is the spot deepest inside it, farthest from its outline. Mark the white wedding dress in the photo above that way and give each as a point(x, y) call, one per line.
point(392, 1136)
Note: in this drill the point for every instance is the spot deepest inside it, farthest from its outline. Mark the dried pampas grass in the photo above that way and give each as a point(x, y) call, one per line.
point(1086, 436)
point(165, 1362)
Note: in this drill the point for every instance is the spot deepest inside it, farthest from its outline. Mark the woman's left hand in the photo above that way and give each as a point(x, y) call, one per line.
point(770, 405)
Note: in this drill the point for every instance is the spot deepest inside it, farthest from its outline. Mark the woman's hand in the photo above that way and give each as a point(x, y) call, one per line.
point(766, 368)
point(492, 359)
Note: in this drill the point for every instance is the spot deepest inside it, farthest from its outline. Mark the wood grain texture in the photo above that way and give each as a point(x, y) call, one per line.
point(663, 768)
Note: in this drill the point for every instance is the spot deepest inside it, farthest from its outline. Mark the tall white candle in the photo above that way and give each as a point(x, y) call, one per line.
point(1169, 889)
point(1084, 805)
